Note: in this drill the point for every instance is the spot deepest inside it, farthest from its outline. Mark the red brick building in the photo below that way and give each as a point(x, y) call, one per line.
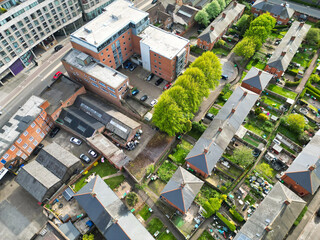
point(220, 26)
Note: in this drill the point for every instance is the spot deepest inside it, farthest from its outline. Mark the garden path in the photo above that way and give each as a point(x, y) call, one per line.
point(112, 175)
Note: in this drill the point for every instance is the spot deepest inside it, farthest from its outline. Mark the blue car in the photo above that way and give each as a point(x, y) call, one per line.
point(127, 64)
point(135, 92)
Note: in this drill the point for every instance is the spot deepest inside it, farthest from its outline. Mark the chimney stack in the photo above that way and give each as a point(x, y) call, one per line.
point(259, 73)
point(293, 38)
point(234, 3)
point(286, 202)
point(245, 93)
point(223, 15)
point(233, 110)
point(93, 194)
point(283, 54)
point(268, 228)
point(206, 150)
point(220, 129)
point(211, 28)
point(311, 168)
point(301, 24)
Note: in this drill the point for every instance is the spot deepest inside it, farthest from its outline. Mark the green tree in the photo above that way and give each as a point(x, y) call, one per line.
point(265, 20)
point(180, 96)
point(213, 9)
point(296, 122)
point(222, 4)
point(168, 117)
point(313, 36)
point(88, 237)
point(263, 117)
point(212, 206)
point(246, 48)
point(202, 17)
point(255, 31)
point(258, 111)
point(243, 156)
point(266, 169)
point(199, 78)
point(314, 78)
point(132, 199)
point(243, 23)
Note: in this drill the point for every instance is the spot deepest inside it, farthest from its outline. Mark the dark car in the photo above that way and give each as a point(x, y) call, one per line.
point(85, 158)
point(154, 1)
point(135, 92)
point(127, 64)
point(54, 132)
point(150, 76)
point(57, 48)
point(209, 116)
point(143, 98)
point(132, 67)
point(37, 149)
point(318, 212)
point(224, 77)
point(159, 81)
point(277, 42)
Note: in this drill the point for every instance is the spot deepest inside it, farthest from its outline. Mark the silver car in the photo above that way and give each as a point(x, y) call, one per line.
point(75, 141)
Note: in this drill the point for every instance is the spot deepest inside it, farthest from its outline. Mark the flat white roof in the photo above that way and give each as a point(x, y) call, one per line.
point(116, 16)
point(162, 42)
point(19, 122)
point(103, 73)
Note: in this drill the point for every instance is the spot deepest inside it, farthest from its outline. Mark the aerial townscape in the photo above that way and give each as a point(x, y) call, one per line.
point(159, 119)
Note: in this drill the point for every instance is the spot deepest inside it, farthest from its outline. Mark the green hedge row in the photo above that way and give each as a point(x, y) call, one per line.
point(237, 216)
point(317, 91)
point(299, 218)
point(230, 225)
point(292, 84)
point(281, 26)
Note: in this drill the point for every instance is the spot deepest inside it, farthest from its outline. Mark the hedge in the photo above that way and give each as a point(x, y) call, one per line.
point(299, 218)
point(293, 72)
point(280, 26)
point(237, 216)
point(292, 84)
point(230, 225)
point(313, 93)
point(313, 88)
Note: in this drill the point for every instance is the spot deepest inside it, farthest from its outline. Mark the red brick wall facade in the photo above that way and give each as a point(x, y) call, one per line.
point(273, 71)
point(249, 87)
point(163, 198)
point(282, 21)
point(197, 170)
point(163, 67)
point(294, 186)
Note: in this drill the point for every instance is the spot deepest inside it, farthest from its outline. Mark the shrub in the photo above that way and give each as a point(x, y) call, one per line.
point(292, 84)
point(220, 43)
point(258, 111)
point(223, 189)
point(303, 138)
point(230, 225)
point(263, 117)
point(132, 199)
point(299, 218)
point(198, 127)
point(314, 78)
point(237, 216)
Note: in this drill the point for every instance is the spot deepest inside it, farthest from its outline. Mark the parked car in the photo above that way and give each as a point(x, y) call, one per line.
point(127, 64)
point(85, 158)
point(154, 1)
point(132, 67)
point(224, 77)
point(54, 132)
point(143, 98)
point(75, 141)
point(167, 86)
point(92, 153)
point(151, 75)
point(318, 212)
point(159, 81)
point(277, 42)
point(209, 116)
point(135, 92)
point(153, 102)
point(37, 149)
point(57, 48)
point(57, 75)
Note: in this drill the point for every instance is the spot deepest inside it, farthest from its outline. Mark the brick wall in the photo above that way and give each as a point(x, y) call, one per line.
point(294, 186)
point(202, 173)
point(163, 67)
point(251, 88)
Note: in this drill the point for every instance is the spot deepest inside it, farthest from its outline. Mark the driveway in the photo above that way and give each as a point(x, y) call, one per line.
point(20, 215)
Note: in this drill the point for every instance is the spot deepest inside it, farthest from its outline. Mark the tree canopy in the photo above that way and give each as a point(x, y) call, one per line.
point(313, 36)
point(243, 156)
point(296, 122)
point(132, 199)
point(246, 48)
point(202, 18)
point(213, 9)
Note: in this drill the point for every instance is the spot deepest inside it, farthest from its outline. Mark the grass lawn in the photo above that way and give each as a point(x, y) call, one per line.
point(256, 64)
point(214, 110)
point(220, 51)
point(166, 170)
point(195, 133)
point(264, 168)
point(166, 236)
point(289, 134)
point(281, 91)
point(250, 199)
point(251, 140)
point(181, 152)
point(257, 126)
point(154, 225)
point(157, 186)
point(144, 212)
point(114, 182)
point(302, 58)
point(243, 75)
point(287, 148)
point(272, 102)
point(205, 236)
point(276, 35)
point(102, 169)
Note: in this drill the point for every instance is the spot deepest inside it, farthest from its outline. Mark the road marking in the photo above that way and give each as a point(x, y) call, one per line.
point(50, 73)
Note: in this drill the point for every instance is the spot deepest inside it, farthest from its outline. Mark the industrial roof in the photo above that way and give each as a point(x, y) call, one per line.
point(274, 213)
point(221, 130)
point(108, 213)
point(115, 17)
point(288, 46)
point(103, 73)
point(220, 23)
point(257, 78)
point(181, 189)
point(299, 169)
point(36, 179)
point(59, 91)
point(162, 42)
point(282, 10)
point(310, 11)
point(19, 122)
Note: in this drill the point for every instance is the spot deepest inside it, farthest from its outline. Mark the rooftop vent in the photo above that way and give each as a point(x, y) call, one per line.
point(88, 30)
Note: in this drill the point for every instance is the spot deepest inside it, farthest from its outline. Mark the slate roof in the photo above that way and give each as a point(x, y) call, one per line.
point(181, 189)
point(282, 10)
point(274, 213)
point(70, 231)
point(216, 141)
point(184, 14)
point(299, 169)
point(257, 78)
point(288, 46)
point(36, 179)
point(220, 23)
point(310, 11)
point(108, 213)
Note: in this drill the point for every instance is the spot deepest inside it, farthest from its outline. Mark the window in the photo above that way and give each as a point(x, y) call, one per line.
point(19, 153)
point(33, 125)
point(35, 142)
point(42, 135)
point(159, 63)
point(38, 130)
point(6, 156)
point(94, 84)
point(12, 148)
point(25, 146)
point(102, 84)
point(103, 60)
point(31, 139)
point(19, 140)
point(29, 150)
point(25, 133)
